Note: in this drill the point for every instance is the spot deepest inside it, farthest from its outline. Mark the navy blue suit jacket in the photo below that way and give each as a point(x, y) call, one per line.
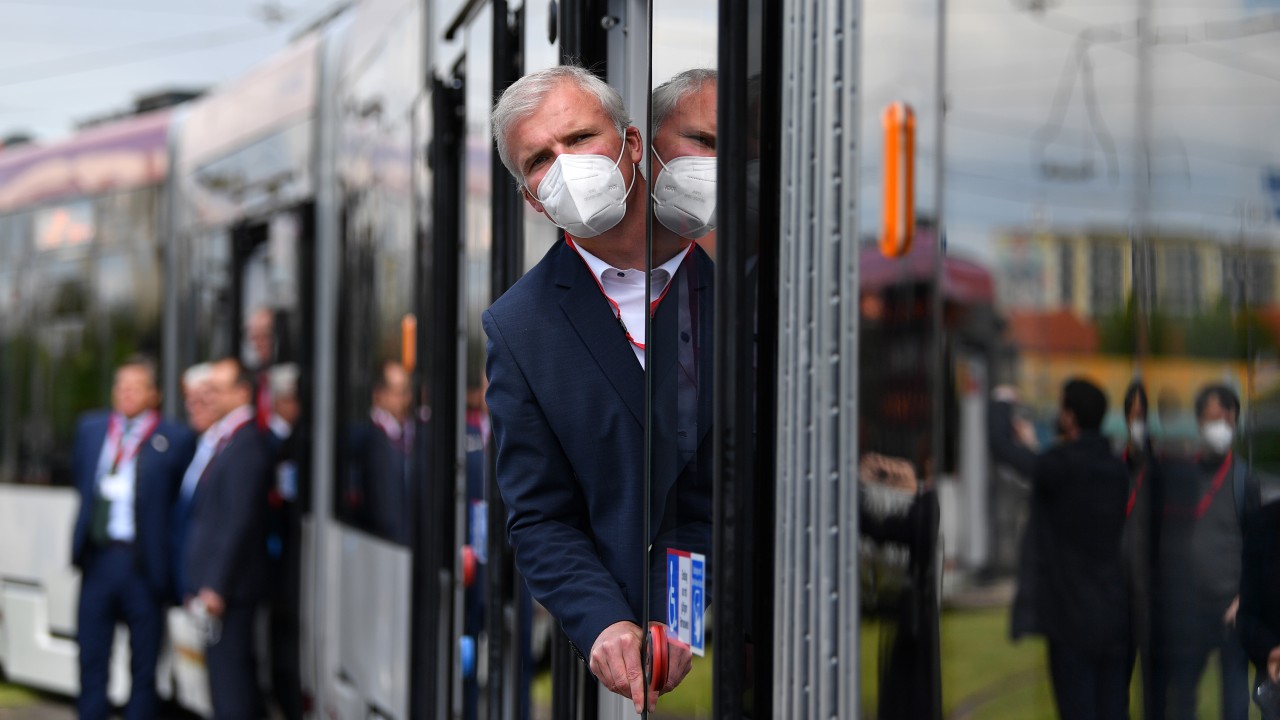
point(566, 396)
point(226, 543)
point(161, 461)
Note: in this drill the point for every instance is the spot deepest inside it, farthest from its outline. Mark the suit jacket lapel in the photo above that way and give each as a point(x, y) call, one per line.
point(94, 460)
point(598, 328)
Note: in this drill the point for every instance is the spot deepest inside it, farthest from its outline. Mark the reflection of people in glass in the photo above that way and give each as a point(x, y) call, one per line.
point(382, 452)
point(1076, 580)
point(1140, 529)
point(567, 351)
point(1200, 561)
point(1258, 620)
point(684, 145)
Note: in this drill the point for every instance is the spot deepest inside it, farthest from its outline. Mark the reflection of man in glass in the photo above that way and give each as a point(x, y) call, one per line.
point(567, 354)
point(1073, 591)
point(385, 447)
point(1206, 497)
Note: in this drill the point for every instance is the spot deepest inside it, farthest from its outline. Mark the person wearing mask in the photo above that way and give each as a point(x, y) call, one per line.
point(1077, 583)
point(1141, 529)
point(567, 356)
point(1206, 497)
point(127, 464)
point(226, 546)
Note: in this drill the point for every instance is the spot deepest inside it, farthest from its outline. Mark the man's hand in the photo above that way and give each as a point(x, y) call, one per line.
point(1273, 664)
point(1229, 617)
point(212, 602)
point(679, 661)
point(615, 661)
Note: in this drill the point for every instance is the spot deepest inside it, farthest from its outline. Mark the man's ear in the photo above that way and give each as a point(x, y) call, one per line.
point(529, 198)
point(635, 145)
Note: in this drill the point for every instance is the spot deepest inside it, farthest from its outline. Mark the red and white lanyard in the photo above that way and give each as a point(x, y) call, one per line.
point(127, 447)
point(617, 309)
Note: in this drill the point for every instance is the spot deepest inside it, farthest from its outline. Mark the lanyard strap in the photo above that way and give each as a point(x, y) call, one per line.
point(1133, 494)
point(1219, 478)
point(617, 309)
point(126, 448)
point(1206, 501)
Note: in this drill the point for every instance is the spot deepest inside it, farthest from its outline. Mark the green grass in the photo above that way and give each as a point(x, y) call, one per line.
point(983, 672)
point(12, 696)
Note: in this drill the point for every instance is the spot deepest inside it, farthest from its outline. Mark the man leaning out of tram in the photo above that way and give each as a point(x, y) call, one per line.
point(127, 465)
point(567, 352)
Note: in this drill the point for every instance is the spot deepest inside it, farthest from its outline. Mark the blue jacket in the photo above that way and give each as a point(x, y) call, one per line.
point(566, 395)
point(161, 461)
point(226, 534)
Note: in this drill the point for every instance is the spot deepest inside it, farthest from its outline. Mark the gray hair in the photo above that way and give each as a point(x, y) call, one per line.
point(283, 379)
point(522, 98)
point(196, 375)
point(669, 94)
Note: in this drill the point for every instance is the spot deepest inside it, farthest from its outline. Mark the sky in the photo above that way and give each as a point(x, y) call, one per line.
point(63, 61)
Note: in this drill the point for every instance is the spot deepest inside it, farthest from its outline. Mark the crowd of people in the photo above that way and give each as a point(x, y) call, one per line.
point(173, 514)
point(1147, 556)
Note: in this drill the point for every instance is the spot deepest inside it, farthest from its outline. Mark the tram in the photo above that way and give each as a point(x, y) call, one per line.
point(348, 189)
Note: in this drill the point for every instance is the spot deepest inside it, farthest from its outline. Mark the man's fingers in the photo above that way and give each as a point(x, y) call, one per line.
point(679, 663)
point(635, 673)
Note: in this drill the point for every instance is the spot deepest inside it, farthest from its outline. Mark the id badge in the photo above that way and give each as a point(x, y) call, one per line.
point(686, 598)
point(115, 488)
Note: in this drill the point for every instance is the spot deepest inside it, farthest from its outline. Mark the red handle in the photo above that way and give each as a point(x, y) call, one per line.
point(657, 657)
point(468, 566)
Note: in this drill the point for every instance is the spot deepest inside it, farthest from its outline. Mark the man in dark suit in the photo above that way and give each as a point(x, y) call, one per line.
point(127, 464)
point(226, 551)
point(1076, 580)
point(1258, 619)
point(567, 357)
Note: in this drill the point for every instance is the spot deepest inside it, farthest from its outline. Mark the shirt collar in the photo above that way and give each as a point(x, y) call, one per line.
point(230, 422)
point(606, 272)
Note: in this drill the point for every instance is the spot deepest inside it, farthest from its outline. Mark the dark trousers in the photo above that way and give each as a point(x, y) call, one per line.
point(233, 668)
point(113, 590)
point(1182, 664)
point(1088, 686)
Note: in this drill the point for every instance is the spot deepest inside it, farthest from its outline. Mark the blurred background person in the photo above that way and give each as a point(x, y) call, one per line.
point(260, 331)
point(1201, 546)
point(226, 556)
point(382, 449)
point(1258, 620)
point(127, 464)
point(1140, 530)
point(284, 533)
point(1077, 580)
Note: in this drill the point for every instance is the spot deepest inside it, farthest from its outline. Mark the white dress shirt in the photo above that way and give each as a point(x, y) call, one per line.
point(119, 489)
point(626, 288)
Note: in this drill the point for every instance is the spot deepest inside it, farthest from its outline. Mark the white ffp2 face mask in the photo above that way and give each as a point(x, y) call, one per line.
point(684, 195)
point(585, 194)
point(1137, 432)
point(1217, 436)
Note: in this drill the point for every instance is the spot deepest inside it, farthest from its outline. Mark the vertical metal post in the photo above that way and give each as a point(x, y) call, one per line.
point(816, 626)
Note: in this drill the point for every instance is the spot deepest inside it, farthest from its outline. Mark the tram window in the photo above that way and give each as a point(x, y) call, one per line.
point(681, 150)
point(1109, 252)
point(380, 429)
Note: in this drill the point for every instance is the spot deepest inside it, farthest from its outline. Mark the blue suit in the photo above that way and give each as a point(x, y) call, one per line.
point(127, 582)
point(566, 395)
point(226, 551)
